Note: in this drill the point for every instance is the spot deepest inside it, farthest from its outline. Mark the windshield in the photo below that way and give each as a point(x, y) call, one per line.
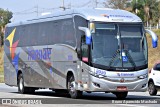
point(119, 46)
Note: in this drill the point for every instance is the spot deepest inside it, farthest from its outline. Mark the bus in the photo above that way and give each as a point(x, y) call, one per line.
point(78, 50)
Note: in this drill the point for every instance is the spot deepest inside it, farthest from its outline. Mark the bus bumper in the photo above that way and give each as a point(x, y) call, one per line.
point(102, 85)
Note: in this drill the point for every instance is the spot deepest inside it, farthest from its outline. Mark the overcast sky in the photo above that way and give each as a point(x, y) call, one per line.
point(26, 9)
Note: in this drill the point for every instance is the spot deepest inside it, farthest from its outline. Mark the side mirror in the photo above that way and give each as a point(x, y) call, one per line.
point(154, 38)
point(87, 34)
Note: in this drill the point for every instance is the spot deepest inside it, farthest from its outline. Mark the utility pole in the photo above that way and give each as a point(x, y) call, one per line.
point(63, 5)
point(36, 7)
point(96, 3)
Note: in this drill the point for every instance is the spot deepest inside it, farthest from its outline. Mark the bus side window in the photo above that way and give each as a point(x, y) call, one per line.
point(84, 50)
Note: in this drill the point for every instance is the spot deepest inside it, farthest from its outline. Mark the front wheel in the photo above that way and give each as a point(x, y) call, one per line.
point(121, 95)
point(72, 88)
point(152, 89)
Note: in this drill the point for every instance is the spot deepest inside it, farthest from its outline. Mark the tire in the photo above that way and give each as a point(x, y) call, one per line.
point(121, 95)
point(21, 88)
point(71, 86)
point(152, 89)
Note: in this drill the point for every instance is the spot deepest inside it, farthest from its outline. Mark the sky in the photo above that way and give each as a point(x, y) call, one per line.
point(27, 9)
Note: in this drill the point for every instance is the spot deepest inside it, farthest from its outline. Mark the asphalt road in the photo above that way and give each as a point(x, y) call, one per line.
point(49, 98)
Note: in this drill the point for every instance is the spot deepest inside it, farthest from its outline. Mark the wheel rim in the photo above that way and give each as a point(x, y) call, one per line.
point(21, 84)
point(72, 87)
point(151, 88)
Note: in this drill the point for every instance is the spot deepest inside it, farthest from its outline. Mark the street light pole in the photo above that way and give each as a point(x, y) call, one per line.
point(37, 10)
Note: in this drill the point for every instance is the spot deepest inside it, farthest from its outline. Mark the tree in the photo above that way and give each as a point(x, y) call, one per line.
point(155, 10)
point(138, 8)
point(5, 17)
point(117, 4)
point(147, 9)
point(159, 13)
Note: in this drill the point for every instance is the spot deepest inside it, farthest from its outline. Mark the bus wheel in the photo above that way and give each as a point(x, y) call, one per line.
point(21, 88)
point(72, 88)
point(121, 95)
point(152, 89)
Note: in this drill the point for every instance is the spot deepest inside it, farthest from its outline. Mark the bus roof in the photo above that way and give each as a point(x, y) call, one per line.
point(92, 14)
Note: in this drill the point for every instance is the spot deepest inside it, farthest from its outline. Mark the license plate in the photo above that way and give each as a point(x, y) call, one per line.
point(121, 88)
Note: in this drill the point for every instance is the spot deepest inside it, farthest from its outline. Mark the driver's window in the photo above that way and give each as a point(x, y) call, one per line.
point(157, 67)
point(84, 48)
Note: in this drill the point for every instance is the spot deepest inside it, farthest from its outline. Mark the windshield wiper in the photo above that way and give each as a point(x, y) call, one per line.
point(114, 57)
point(130, 58)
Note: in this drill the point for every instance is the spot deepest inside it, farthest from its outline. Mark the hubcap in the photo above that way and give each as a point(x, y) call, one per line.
point(72, 87)
point(151, 88)
point(21, 84)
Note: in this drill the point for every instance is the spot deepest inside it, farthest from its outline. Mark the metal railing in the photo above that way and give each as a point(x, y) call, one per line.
point(152, 27)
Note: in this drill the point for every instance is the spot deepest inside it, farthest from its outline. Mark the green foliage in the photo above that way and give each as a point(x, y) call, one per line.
point(155, 13)
point(5, 17)
point(1, 65)
point(141, 14)
point(118, 4)
point(136, 4)
point(148, 10)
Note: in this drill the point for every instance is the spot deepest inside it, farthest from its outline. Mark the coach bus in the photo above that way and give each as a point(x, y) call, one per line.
point(78, 50)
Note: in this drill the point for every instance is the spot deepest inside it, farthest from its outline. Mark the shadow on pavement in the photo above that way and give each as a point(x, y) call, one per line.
point(93, 96)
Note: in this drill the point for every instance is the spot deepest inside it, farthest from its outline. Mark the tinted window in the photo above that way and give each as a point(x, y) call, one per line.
point(157, 67)
point(79, 21)
point(54, 36)
point(84, 48)
point(45, 33)
point(43, 30)
point(27, 35)
point(67, 32)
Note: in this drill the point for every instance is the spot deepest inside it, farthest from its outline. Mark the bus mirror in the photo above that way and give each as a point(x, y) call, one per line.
point(154, 38)
point(87, 34)
point(92, 27)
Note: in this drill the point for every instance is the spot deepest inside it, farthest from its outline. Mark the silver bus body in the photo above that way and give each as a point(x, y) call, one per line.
point(46, 51)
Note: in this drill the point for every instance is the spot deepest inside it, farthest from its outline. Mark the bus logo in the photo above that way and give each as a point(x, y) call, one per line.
point(125, 74)
point(105, 15)
point(39, 54)
point(12, 48)
point(122, 80)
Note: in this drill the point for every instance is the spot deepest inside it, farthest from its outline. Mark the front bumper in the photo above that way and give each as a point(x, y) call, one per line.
point(102, 85)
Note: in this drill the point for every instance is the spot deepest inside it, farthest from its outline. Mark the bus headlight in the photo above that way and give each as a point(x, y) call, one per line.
point(92, 72)
point(143, 76)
